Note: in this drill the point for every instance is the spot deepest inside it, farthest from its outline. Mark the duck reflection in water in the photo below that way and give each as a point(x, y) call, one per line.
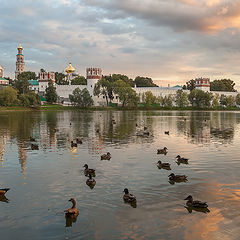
point(91, 182)
point(4, 199)
point(203, 210)
point(71, 214)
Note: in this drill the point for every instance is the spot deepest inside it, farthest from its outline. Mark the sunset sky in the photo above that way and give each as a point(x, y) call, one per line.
point(170, 41)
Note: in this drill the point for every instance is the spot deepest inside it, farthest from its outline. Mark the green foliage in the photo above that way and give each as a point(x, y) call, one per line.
point(168, 101)
point(81, 98)
point(223, 100)
point(144, 82)
point(8, 97)
point(21, 83)
point(226, 85)
point(199, 98)
point(148, 98)
point(181, 98)
point(126, 94)
point(190, 85)
point(103, 87)
point(51, 95)
point(79, 81)
point(115, 77)
point(230, 100)
point(60, 79)
point(215, 101)
point(237, 99)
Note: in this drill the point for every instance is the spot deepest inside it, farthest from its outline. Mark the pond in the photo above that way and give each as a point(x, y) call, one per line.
point(42, 181)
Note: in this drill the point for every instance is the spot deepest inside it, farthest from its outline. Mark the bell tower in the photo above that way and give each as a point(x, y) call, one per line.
point(20, 61)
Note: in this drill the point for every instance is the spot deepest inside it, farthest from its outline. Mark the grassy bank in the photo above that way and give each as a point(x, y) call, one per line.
point(56, 107)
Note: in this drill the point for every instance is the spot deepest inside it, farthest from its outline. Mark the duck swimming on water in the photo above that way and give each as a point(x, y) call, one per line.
point(3, 191)
point(196, 203)
point(79, 141)
point(73, 210)
point(106, 156)
point(163, 165)
point(181, 159)
point(173, 177)
point(128, 197)
point(88, 171)
point(162, 151)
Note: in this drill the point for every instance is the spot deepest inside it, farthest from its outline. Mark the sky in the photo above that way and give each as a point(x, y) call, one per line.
point(171, 41)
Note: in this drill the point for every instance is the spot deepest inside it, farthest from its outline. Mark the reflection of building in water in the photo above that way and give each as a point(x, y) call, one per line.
point(203, 127)
point(3, 140)
point(22, 155)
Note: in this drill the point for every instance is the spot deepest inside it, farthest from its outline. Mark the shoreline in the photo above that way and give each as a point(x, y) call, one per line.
point(146, 108)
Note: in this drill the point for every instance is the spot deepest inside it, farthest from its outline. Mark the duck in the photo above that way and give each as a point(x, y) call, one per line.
point(3, 191)
point(162, 151)
point(163, 165)
point(196, 203)
point(90, 181)
point(32, 139)
point(173, 177)
point(106, 156)
point(181, 159)
point(166, 132)
point(34, 147)
point(79, 141)
point(88, 171)
point(128, 197)
point(73, 210)
point(70, 124)
point(73, 144)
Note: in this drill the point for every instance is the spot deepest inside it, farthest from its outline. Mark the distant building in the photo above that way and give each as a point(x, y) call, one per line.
point(44, 78)
point(70, 73)
point(19, 62)
point(1, 72)
point(202, 84)
point(34, 85)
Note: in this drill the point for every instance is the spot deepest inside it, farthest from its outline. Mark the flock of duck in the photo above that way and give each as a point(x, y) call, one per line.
point(73, 212)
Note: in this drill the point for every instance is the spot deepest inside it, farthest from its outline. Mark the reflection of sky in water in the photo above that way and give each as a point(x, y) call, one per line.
point(42, 181)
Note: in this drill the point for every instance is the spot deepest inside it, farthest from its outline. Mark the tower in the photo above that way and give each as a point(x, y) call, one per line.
point(69, 72)
point(203, 84)
point(19, 62)
point(1, 71)
point(92, 76)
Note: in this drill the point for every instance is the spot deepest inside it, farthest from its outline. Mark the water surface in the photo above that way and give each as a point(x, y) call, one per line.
point(42, 181)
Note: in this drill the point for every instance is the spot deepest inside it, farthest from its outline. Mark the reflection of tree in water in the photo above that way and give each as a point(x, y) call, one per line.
point(201, 127)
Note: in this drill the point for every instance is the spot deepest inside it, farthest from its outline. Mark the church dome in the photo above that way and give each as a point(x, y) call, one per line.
point(20, 47)
point(70, 68)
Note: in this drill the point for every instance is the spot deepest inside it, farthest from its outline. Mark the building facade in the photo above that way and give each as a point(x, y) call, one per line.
point(203, 84)
point(44, 78)
point(19, 62)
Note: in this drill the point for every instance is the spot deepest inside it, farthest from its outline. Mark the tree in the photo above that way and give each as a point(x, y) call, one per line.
point(21, 84)
point(181, 98)
point(103, 87)
point(115, 77)
point(80, 80)
point(200, 98)
point(51, 94)
point(149, 98)
point(190, 84)
point(167, 101)
point(81, 98)
point(225, 85)
point(126, 94)
point(230, 100)
point(30, 99)
point(8, 97)
point(215, 101)
point(238, 99)
point(223, 100)
point(144, 82)
point(60, 79)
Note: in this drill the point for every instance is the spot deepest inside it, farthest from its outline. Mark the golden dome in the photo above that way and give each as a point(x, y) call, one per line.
point(70, 68)
point(20, 46)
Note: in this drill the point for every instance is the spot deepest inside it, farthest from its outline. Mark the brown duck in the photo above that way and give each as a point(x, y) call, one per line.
point(106, 156)
point(73, 210)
